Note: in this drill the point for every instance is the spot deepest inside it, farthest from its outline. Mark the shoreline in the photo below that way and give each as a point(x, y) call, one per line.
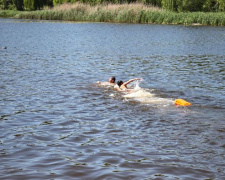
point(66, 21)
point(123, 13)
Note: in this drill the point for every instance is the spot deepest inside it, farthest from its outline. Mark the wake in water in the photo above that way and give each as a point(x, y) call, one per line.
point(145, 97)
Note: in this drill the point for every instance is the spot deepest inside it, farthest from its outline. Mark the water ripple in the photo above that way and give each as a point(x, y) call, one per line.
point(56, 123)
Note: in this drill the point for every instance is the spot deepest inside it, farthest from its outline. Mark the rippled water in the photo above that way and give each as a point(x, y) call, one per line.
point(56, 123)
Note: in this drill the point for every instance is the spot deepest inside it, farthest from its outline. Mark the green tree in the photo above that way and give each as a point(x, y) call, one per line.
point(48, 3)
point(38, 4)
point(152, 2)
point(18, 4)
point(57, 2)
point(6, 3)
point(189, 5)
point(221, 5)
point(214, 5)
point(31, 5)
point(169, 5)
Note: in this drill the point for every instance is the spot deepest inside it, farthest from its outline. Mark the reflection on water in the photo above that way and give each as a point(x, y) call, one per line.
point(56, 123)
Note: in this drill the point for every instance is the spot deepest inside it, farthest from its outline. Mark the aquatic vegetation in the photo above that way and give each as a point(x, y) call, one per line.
point(120, 13)
point(8, 13)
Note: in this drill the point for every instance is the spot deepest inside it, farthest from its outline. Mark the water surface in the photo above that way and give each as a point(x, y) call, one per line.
point(56, 123)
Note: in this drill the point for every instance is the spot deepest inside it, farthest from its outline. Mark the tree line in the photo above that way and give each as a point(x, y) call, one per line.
point(171, 5)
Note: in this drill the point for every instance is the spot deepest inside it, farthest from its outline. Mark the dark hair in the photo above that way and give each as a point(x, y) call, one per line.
point(119, 83)
point(113, 78)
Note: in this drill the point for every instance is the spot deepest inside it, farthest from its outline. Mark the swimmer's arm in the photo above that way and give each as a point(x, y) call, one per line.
point(117, 88)
point(103, 83)
point(131, 80)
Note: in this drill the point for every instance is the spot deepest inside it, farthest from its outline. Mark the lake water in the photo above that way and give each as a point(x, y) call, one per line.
point(56, 123)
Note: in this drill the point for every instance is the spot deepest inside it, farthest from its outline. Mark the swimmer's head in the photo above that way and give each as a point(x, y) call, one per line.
point(112, 80)
point(119, 83)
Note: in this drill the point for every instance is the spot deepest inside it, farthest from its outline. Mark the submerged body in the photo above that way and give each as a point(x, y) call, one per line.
point(111, 82)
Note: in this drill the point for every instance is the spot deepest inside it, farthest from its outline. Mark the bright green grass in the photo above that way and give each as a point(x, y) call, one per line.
point(121, 15)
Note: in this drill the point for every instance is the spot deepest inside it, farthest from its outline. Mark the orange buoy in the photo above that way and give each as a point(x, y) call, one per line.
point(181, 102)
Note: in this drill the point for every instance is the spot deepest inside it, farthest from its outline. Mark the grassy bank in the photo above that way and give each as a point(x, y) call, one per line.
point(123, 13)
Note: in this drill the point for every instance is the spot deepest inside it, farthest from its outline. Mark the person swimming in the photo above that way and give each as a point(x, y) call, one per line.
point(111, 82)
point(122, 86)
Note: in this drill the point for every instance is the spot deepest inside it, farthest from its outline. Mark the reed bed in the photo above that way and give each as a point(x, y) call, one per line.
point(123, 13)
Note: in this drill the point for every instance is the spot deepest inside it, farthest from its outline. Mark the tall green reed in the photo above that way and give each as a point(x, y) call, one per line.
point(124, 13)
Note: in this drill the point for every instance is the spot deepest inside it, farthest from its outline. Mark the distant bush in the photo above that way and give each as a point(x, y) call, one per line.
point(171, 5)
